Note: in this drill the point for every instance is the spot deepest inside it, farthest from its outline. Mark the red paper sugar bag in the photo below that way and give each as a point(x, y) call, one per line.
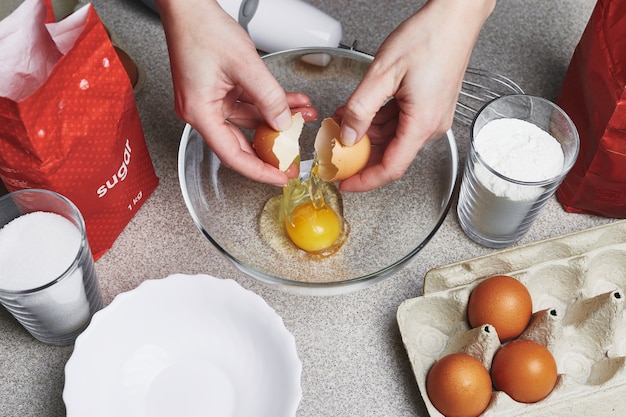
point(594, 96)
point(68, 118)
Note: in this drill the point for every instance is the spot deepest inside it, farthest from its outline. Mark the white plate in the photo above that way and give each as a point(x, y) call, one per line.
point(184, 346)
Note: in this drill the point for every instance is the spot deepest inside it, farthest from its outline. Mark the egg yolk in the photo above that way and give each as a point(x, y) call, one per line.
point(313, 229)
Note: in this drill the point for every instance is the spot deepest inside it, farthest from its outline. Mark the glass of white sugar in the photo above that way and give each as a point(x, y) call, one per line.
point(47, 275)
point(521, 148)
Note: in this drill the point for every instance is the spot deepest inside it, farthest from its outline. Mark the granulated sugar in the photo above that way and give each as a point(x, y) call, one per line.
point(520, 151)
point(35, 249)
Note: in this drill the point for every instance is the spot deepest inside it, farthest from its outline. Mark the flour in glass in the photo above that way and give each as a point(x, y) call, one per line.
point(520, 151)
point(523, 155)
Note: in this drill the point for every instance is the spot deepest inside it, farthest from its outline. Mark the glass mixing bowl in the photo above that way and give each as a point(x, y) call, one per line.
point(387, 226)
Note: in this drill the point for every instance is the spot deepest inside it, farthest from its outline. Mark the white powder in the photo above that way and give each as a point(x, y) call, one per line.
point(494, 208)
point(518, 150)
point(35, 249)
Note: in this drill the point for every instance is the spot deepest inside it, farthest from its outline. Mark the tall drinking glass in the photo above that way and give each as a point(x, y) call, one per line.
point(495, 210)
point(47, 275)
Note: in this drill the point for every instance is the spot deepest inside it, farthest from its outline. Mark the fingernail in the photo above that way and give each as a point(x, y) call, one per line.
point(283, 121)
point(348, 136)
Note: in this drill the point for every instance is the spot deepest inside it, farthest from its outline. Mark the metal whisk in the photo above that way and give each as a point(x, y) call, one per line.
point(479, 87)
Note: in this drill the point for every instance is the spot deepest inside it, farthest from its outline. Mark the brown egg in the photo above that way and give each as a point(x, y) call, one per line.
point(459, 385)
point(279, 149)
point(336, 161)
point(525, 370)
point(502, 301)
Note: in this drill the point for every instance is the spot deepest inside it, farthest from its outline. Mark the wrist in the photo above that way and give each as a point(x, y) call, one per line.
point(470, 13)
point(169, 8)
point(458, 22)
point(477, 9)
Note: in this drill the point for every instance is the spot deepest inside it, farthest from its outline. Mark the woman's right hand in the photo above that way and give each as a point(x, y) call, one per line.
point(221, 84)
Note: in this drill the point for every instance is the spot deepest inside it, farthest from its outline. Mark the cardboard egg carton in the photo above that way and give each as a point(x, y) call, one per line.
point(578, 287)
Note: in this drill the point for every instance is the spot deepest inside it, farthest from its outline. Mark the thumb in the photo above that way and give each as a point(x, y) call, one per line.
point(366, 100)
point(262, 90)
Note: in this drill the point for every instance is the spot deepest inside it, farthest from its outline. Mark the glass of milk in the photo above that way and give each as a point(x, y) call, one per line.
point(521, 148)
point(47, 275)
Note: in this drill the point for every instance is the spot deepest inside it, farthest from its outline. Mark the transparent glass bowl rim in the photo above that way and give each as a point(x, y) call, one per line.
point(356, 282)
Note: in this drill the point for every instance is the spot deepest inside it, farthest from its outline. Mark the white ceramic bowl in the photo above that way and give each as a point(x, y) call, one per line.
point(184, 346)
point(388, 226)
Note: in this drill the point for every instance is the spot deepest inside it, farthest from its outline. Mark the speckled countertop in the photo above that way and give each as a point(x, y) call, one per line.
point(354, 363)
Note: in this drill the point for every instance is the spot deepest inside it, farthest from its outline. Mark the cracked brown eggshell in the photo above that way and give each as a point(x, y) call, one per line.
point(279, 148)
point(336, 161)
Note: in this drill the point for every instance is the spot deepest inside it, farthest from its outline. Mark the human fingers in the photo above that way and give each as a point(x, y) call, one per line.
point(261, 89)
point(387, 163)
point(389, 110)
point(294, 99)
point(376, 87)
point(247, 115)
point(383, 125)
point(235, 152)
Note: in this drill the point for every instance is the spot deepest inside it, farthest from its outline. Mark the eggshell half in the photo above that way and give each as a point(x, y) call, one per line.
point(279, 149)
point(336, 161)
